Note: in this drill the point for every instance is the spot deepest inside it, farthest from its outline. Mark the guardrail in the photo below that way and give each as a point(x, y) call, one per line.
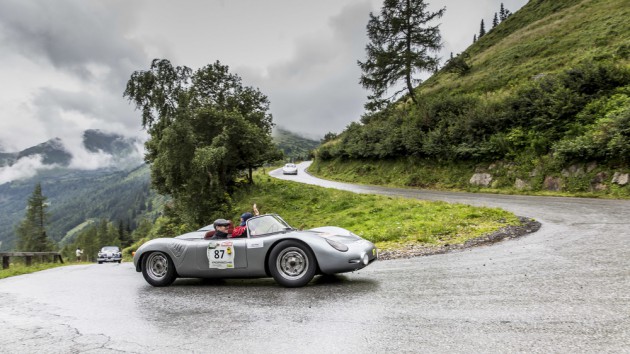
point(29, 257)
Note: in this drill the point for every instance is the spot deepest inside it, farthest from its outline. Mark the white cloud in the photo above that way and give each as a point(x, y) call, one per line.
point(24, 168)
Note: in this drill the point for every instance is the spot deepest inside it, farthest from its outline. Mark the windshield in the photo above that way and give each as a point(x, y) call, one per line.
point(109, 249)
point(266, 224)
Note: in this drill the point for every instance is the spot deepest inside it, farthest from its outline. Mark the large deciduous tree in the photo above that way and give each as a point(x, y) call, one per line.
point(401, 46)
point(31, 232)
point(205, 129)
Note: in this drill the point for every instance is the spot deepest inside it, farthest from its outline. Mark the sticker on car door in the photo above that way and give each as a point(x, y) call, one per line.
point(221, 254)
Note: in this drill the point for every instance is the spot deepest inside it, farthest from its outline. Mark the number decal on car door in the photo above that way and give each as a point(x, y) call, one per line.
point(221, 254)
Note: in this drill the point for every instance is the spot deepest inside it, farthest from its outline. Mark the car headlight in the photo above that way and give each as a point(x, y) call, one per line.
point(337, 245)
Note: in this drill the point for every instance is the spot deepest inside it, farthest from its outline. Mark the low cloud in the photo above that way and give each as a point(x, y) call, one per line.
point(82, 159)
point(25, 167)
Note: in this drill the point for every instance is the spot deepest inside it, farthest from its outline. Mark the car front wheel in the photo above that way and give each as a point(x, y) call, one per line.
point(158, 269)
point(292, 264)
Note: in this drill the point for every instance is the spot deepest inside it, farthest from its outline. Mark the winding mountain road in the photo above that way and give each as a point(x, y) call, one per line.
point(563, 289)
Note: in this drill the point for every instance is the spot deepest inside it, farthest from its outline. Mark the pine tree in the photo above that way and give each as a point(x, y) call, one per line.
point(474, 38)
point(482, 29)
point(401, 42)
point(504, 13)
point(31, 231)
point(495, 20)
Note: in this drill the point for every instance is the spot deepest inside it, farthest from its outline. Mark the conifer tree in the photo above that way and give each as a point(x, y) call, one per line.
point(503, 13)
point(495, 20)
point(400, 45)
point(31, 231)
point(482, 29)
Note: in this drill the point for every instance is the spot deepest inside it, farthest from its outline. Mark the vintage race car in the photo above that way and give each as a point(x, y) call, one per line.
point(270, 248)
point(109, 254)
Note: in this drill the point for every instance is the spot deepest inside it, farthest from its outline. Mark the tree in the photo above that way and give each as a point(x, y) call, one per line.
point(482, 29)
point(458, 64)
point(504, 13)
point(399, 48)
point(328, 137)
point(495, 20)
point(206, 129)
point(31, 231)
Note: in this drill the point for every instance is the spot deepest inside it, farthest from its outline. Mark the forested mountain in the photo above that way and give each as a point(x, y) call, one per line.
point(294, 147)
point(547, 88)
point(118, 193)
point(76, 196)
point(80, 198)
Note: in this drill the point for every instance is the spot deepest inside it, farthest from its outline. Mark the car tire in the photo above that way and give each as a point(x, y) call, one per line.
point(292, 264)
point(158, 269)
point(100, 262)
point(119, 262)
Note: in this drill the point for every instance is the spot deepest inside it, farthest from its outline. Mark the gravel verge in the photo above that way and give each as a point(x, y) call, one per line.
point(527, 226)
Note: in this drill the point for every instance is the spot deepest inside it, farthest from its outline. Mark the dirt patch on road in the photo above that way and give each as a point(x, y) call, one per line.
point(509, 232)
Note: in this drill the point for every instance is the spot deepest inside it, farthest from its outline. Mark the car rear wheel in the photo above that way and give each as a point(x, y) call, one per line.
point(158, 269)
point(292, 264)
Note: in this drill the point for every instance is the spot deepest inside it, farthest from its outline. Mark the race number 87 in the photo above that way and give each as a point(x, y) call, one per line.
point(218, 254)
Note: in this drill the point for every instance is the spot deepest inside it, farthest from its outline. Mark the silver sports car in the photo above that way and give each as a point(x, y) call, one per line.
point(270, 248)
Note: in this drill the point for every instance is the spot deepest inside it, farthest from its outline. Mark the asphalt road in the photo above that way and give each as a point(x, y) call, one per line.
point(563, 289)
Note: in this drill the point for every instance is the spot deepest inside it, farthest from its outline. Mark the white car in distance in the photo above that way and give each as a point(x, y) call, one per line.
point(289, 169)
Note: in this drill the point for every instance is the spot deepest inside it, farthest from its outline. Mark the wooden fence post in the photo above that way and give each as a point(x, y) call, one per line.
point(5, 262)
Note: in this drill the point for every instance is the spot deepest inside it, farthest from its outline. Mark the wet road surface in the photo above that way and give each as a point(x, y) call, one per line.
point(563, 289)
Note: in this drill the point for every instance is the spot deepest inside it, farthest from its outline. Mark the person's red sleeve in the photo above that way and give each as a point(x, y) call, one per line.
point(238, 231)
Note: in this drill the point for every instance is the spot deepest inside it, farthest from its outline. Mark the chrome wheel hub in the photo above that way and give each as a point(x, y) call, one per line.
point(292, 263)
point(157, 265)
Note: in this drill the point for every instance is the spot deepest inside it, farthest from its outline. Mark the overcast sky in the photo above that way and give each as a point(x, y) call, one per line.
point(64, 63)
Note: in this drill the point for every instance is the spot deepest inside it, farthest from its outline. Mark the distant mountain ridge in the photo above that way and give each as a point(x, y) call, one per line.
point(54, 152)
point(294, 146)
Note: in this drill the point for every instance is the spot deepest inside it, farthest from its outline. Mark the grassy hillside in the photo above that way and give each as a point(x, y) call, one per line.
point(542, 37)
point(545, 96)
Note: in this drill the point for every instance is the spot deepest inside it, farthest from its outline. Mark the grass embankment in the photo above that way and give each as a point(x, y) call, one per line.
point(391, 223)
point(410, 173)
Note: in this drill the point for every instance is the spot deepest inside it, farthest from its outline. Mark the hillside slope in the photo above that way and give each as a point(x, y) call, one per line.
point(542, 37)
point(543, 100)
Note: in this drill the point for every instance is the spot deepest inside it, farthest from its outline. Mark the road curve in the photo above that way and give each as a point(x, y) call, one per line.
point(563, 289)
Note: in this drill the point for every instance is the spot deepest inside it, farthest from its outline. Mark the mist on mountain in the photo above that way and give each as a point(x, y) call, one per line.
point(95, 149)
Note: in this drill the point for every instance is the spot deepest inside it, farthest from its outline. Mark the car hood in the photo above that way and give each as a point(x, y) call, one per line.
point(335, 233)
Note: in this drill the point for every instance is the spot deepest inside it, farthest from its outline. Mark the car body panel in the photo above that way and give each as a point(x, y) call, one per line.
point(193, 255)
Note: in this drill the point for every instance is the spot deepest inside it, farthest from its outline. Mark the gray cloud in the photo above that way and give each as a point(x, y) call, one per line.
point(317, 90)
point(66, 62)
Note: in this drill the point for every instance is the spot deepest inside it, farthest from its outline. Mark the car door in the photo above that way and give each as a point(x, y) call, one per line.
point(220, 256)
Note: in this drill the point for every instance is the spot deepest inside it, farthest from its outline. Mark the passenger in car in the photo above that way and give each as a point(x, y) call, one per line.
point(241, 230)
